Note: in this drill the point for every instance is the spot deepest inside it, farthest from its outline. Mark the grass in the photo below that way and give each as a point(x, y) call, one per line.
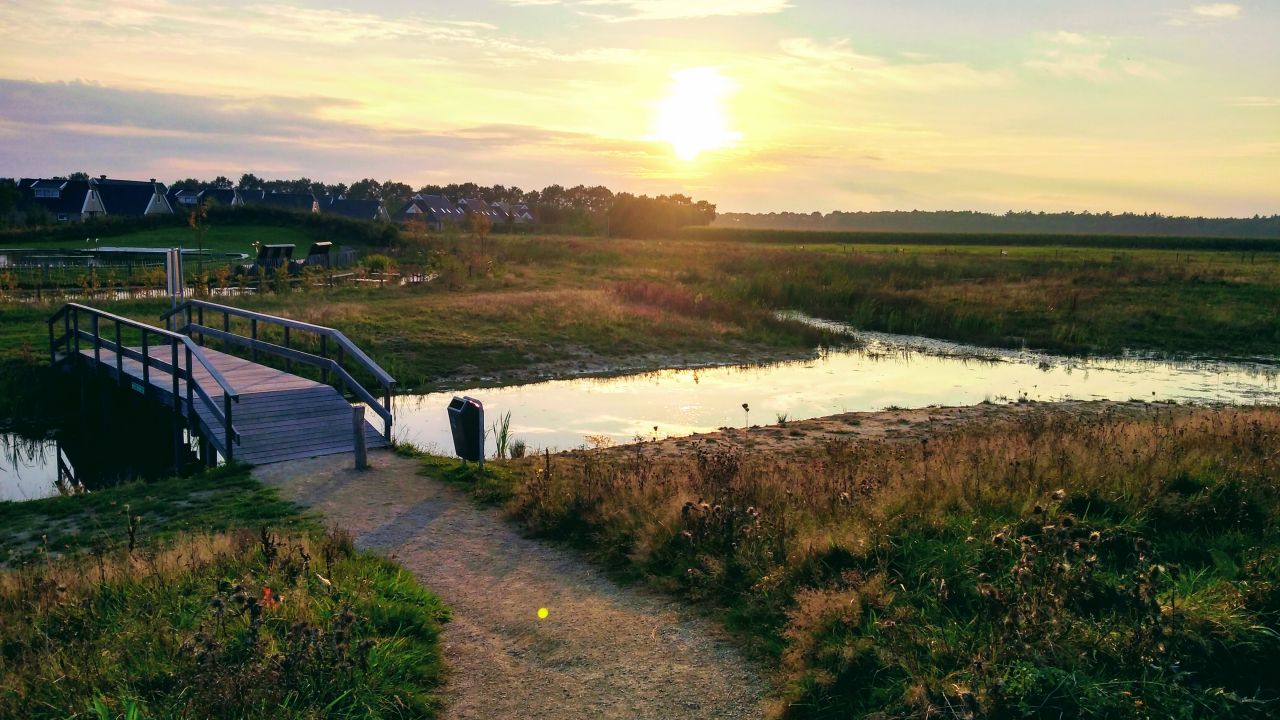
point(218, 239)
point(215, 500)
point(1064, 566)
point(511, 308)
point(173, 599)
point(228, 625)
point(1074, 301)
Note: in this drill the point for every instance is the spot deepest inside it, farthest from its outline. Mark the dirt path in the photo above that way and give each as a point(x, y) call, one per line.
point(603, 652)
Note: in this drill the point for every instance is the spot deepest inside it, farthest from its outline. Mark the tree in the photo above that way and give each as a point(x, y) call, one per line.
point(366, 189)
point(395, 194)
point(249, 181)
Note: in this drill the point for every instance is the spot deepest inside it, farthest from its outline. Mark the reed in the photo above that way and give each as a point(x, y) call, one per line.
point(1054, 566)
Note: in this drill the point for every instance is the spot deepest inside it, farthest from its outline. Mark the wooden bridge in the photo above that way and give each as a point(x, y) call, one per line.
point(234, 406)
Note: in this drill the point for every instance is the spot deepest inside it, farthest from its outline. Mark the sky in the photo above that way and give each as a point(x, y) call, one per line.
point(1166, 106)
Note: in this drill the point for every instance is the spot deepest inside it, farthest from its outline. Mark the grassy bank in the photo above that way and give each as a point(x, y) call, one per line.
point(510, 308)
point(1053, 566)
point(206, 596)
point(1075, 301)
point(961, 239)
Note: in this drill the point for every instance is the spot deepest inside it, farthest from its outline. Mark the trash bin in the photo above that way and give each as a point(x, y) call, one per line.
point(466, 420)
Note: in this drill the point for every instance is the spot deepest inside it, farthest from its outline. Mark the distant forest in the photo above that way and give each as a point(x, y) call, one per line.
point(1068, 223)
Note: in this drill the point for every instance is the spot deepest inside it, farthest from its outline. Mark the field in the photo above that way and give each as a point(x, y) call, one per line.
point(205, 596)
point(1037, 561)
point(1118, 561)
point(510, 308)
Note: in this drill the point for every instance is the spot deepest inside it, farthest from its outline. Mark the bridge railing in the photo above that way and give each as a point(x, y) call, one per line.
point(329, 341)
point(84, 324)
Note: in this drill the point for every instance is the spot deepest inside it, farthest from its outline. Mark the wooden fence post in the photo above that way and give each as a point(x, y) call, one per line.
point(357, 438)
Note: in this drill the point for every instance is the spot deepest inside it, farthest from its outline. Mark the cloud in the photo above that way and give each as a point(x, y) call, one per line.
point(1207, 13)
point(52, 127)
point(1220, 11)
point(1088, 57)
point(128, 21)
point(1257, 101)
point(633, 10)
point(837, 64)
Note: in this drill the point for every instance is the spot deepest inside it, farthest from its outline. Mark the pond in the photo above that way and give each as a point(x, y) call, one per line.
point(889, 370)
point(115, 438)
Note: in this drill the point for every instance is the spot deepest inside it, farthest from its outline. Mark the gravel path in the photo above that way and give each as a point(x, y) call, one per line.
point(603, 651)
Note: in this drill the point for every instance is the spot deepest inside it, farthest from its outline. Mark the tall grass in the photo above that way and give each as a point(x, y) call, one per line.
point(502, 435)
point(1058, 566)
point(231, 625)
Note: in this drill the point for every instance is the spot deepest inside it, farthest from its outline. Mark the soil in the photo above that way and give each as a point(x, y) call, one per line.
point(604, 651)
point(880, 425)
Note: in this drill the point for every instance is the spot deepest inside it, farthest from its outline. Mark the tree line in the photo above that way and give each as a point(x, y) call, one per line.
point(1065, 223)
point(581, 209)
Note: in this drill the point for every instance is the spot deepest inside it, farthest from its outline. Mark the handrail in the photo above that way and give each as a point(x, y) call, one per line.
point(354, 350)
point(345, 348)
point(69, 314)
point(299, 356)
point(191, 345)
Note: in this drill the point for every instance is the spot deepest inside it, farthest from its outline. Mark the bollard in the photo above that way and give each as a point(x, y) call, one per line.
point(357, 430)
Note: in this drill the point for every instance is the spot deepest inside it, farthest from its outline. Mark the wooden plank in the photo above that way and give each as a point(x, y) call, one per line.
point(280, 416)
point(260, 444)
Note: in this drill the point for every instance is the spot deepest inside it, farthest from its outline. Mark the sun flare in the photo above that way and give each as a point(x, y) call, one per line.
point(692, 115)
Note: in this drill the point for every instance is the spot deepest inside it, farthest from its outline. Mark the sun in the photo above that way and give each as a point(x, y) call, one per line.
point(692, 114)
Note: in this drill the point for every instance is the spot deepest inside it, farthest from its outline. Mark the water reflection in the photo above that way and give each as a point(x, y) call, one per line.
point(115, 437)
point(897, 371)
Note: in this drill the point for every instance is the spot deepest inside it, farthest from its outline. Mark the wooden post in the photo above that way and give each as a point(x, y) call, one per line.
point(119, 358)
point(324, 353)
point(146, 364)
point(288, 361)
point(177, 408)
point(253, 333)
point(357, 437)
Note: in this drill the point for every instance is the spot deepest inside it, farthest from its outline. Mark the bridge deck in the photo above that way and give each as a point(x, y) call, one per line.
point(280, 416)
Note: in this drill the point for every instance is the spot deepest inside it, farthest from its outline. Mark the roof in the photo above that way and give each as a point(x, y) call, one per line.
point(358, 209)
point(478, 206)
point(126, 197)
point(305, 202)
point(222, 196)
point(437, 208)
point(70, 199)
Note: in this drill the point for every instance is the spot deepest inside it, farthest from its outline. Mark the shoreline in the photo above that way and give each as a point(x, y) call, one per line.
point(889, 425)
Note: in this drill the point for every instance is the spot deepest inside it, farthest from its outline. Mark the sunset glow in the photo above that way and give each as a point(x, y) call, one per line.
point(692, 117)
point(759, 105)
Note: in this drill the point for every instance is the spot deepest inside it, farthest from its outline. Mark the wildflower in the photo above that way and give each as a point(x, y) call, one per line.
point(1059, 494)
point(269, 599)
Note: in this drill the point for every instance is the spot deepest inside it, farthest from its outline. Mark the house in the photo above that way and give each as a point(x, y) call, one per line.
point(520, 213)
point(436, 210)
point(221, 196)
point(130, 198)
point(72, 200)
point(214, 196)
point(476, 206)
point(66, 200)
point(516, 213)
point(298, 202)
point(356, 209)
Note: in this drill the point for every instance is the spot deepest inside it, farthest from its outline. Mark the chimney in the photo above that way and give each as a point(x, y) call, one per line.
point(102, 177)
point(153, 180)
